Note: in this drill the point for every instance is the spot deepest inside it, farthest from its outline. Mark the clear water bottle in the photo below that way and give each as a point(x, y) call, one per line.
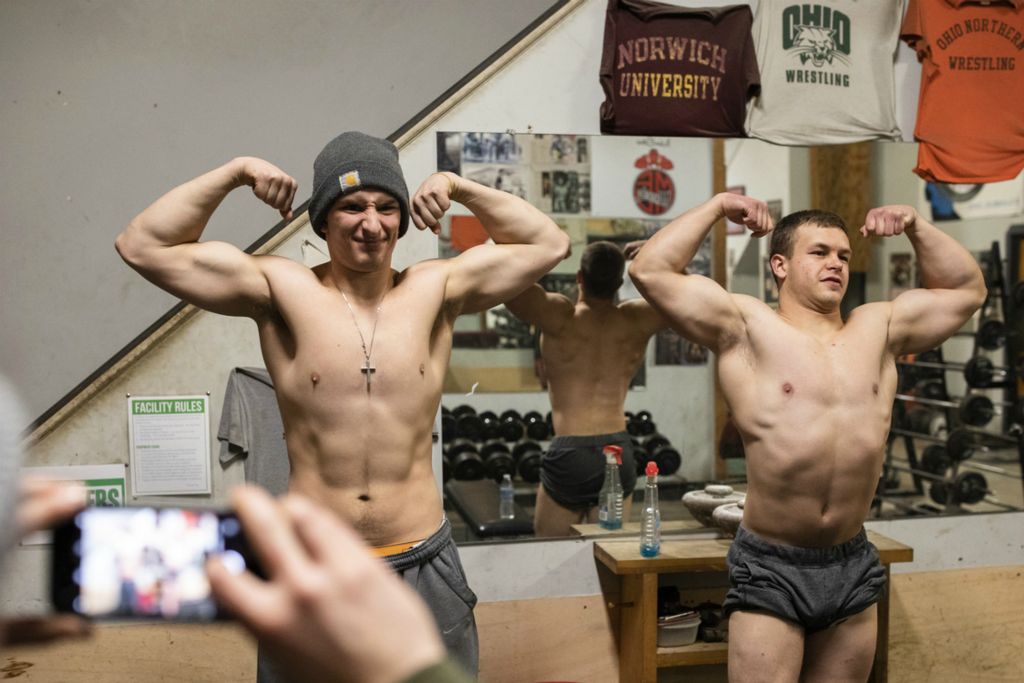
point(506, 508)
point(609, 500)
point(650, 520)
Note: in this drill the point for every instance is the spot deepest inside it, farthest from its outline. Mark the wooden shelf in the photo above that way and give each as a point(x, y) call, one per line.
point(692, 655)
point(623, 557)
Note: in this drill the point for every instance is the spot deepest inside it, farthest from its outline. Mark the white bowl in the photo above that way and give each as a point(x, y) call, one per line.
point(682, 632)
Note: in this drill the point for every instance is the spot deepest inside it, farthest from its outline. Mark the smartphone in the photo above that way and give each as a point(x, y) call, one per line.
point(144, 562)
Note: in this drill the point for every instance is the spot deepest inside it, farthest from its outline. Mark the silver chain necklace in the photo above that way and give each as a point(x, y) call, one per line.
point(368, 369)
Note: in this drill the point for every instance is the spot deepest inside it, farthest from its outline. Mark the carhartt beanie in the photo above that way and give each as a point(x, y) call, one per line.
point(351, 162)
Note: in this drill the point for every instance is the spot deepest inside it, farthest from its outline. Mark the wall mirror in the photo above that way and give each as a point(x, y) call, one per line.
point(620, 189)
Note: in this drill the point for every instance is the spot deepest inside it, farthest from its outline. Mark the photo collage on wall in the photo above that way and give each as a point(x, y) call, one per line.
point(552, 172)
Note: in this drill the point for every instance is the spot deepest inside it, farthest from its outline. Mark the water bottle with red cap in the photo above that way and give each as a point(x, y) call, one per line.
point(650, 519)
point(609, 500)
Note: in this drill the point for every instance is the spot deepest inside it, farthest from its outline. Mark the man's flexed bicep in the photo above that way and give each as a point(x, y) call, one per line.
point(527, 243)
point(953, 285)
point(162, 242)
point(695, 306)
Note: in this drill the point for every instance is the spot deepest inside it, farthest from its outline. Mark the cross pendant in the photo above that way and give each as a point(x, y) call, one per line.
point(367, 370)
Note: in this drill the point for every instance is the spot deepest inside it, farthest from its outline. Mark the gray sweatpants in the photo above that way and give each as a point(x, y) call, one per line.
point(434, 570)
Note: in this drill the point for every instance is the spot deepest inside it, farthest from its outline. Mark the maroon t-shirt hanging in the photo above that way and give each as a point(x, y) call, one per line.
point(669, 70)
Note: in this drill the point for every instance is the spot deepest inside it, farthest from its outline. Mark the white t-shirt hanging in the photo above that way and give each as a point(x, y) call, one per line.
point(826, 71)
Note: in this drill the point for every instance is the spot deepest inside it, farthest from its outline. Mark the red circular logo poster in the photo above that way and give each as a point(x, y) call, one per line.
point(653, 190)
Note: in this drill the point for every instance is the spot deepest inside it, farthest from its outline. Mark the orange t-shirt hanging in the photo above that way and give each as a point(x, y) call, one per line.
point(970, 117)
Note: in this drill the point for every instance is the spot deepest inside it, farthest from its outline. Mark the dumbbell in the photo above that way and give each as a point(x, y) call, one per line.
point(925, 421)
point(660, 451)
point(449, 430)
point(935, 459)
point(643, 450)
point(468, 424)
point(527, 455)
point(644, 424)
point(446, 466)
point(497, 459)
point(491, 426)
point(466, 463)
point(976, 410)
point(967, 487)
point(991, 334)
point(512, 428)
point(979, 372)
point(536, 426)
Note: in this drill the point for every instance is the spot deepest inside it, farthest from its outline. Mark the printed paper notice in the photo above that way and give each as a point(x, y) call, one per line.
point(169, 443)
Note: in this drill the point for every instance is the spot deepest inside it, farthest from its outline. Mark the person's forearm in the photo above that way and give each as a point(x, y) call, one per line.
point(180, 216)
point(943, 262)
point(674, 246)
point(506, 218)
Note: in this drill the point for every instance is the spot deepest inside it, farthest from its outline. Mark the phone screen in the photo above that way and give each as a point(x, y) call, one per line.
point(143, 562)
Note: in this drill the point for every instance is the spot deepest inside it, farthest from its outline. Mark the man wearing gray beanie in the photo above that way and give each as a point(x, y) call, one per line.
point(357, 351)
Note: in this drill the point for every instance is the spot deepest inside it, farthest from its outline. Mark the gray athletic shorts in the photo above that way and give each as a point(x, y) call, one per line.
point(434, 570)
point(814, 587)
point(572, 470)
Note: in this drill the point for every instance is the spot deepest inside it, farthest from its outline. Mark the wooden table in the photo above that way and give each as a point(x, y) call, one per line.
point(637, 602)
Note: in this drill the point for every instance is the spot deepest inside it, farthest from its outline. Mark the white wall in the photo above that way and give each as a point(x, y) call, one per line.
point(107, 104)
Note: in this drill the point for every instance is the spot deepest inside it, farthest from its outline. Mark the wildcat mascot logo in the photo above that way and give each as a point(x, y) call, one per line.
point(817, 34)
point(818, 45)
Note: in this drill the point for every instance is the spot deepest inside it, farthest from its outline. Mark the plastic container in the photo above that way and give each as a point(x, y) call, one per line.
point(609, 500)
point(678, 630)
point(650, 518)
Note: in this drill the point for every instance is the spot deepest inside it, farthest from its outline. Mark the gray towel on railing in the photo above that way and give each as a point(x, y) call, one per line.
point(251, 428)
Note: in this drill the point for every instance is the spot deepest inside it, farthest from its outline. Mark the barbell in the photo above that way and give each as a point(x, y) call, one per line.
point(976, 410)
point(979, 371)
point(965, 487)
point(990, 335)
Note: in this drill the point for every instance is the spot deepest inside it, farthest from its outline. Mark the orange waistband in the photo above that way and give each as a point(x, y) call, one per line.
point(395, 548)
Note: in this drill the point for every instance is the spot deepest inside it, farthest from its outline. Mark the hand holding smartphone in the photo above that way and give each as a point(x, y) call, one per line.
point(144, 562)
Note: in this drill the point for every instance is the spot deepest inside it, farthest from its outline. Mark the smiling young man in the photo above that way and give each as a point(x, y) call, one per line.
point(811, 394)
point(357, 350)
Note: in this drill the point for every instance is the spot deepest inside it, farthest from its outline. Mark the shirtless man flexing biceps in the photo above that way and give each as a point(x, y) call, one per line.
point(812, 397)
point(591, 348)
point(357, 350)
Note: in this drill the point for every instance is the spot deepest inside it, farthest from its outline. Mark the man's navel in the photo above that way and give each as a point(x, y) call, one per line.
point(787, 388)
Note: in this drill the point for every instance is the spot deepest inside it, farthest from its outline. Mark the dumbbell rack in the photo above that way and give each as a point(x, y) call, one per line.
point(1014, 307)
point(948, 482)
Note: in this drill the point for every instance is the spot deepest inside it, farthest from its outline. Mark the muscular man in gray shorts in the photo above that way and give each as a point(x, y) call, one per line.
point(357, 350)
point(811, 394)
point(590, 351)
